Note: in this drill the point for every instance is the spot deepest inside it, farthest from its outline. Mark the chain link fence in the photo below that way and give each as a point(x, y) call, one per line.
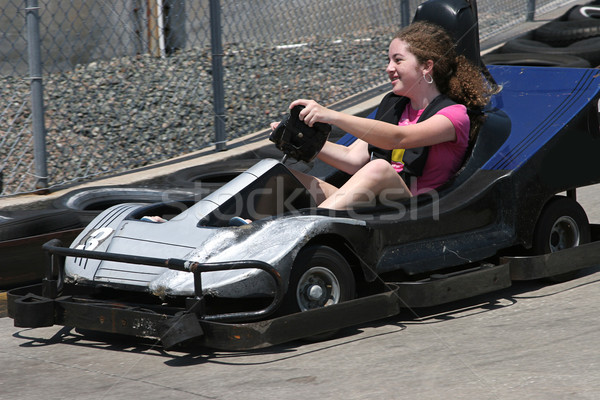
point(127, 83)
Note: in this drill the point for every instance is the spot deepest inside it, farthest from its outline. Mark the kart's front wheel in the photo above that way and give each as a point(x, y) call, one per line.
point(320, 277)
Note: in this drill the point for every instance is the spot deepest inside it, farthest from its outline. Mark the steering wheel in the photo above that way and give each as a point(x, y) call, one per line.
point(298, 140)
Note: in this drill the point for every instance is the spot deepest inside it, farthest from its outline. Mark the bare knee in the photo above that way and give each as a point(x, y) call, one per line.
point(384, 180)
point(319, 189)
point(379, 171)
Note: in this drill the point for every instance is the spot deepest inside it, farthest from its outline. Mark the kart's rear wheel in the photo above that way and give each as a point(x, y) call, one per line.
point(562, 224)
point(320, 277)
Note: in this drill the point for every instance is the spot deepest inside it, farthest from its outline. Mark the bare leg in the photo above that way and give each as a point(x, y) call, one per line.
point(376, 179)
point(318, 188)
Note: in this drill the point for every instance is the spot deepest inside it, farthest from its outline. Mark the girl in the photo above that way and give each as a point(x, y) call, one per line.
point(421, 131)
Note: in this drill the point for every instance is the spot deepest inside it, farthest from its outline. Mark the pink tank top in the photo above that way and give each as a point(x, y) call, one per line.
point(444, 159)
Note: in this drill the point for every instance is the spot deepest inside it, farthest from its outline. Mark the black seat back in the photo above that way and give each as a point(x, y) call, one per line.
point(459, 18)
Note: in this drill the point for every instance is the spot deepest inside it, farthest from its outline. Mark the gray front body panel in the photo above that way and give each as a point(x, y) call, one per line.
point(275, 241)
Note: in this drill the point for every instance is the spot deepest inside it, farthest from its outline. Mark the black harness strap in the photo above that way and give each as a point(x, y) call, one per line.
point(390, 110)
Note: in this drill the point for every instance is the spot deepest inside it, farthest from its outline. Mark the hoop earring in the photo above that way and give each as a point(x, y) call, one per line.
point(430, 81)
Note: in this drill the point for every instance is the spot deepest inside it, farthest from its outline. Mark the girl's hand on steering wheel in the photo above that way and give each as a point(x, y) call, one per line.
point(312, 112)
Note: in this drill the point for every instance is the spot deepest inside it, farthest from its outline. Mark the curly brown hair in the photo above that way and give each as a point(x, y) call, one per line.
point(453, 74)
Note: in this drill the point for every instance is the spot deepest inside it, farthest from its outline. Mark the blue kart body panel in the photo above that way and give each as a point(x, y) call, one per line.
point(539, 102)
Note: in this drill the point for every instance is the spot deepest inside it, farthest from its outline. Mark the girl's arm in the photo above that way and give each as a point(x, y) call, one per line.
point(436, 129)
point(345, 158)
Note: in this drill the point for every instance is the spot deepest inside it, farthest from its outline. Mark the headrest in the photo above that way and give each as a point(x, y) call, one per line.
point(459, 18)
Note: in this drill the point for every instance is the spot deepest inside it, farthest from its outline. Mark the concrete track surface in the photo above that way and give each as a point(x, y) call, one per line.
point(531, 341)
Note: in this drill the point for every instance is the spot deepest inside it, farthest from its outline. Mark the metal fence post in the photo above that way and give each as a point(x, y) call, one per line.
point(217, 73)
point(37, 101)
point(156, 37)
point(404, 12)
point(530, 10)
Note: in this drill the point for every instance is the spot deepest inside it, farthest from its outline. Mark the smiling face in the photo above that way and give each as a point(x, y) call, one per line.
point(404, 70)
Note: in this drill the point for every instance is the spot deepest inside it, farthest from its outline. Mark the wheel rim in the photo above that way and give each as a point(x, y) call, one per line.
point(318, 287)
point(564, 234)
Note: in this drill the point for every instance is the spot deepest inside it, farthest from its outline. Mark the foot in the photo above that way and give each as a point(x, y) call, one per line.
point(238, 221)
point(153, 218)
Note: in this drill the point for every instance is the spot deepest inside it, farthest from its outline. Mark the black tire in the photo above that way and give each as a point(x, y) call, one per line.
point(99, 199)
point(211, 176)
point(562, 224)
point(563, 33)
point(320, 277)
point(588, 49)
point(22, 224)
point(536, 60)
point(578, 13)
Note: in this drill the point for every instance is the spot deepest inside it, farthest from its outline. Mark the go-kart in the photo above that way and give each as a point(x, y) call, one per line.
point(300, 271)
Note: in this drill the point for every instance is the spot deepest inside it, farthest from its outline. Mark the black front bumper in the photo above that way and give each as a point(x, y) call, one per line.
point(173, 326)
point(54, 303)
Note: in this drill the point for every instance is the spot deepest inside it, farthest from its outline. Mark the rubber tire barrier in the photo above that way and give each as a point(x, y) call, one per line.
point(588, 49)
point(101, 198)
point(210, 177)
point(578, 13)
point(562, 33)
point(21, 224)
point(536, 60)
